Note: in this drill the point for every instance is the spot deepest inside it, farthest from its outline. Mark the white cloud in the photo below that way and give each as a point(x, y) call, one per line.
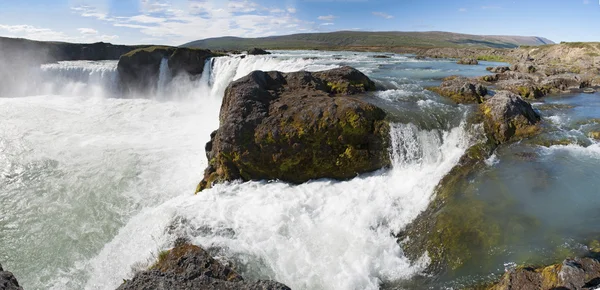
point(327, 24)
point(46, 34)
point(180, 21)
point(327, 18)
point(87, 31)
point(146, 19)
point(89, 11)
point(31, 32)
point(462, 10)
point(242, 6)
point(383, 15)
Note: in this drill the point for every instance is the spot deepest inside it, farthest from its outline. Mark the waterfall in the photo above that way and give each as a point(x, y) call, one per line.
point(164, 77)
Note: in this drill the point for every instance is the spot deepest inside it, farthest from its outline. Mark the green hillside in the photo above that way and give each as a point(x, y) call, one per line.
point(356, 39)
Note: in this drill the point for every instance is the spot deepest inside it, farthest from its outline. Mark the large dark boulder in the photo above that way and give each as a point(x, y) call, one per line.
point(139, 69)
point(461, 90)
point(8, 281)
point(507, 117)
point(188, 267)
point(258, 51)
point(571, 274)
point(296, 127)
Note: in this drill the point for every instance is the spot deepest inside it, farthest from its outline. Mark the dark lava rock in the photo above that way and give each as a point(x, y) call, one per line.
point(188, 267)
point(139, 69)
point(296, 127)
point(461, 90)
point(563, 82)
point(8, 281)
point(507, 116)
point(258, 51)
point(571, 274)
point(468, 61)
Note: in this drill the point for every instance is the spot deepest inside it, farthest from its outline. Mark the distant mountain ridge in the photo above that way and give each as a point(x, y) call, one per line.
point(362, 39)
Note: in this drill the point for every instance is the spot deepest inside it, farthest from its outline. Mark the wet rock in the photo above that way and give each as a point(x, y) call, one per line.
point(8, 281)
point(257, 51)
point(578, 273)
point(498, 69)
point(296, 127)
point(526, 88)
point(191, 267)
point(382, 56)
point(563, 82)
point(507, 117)
point(139, 69)
point(461, 90)
point(468, 61)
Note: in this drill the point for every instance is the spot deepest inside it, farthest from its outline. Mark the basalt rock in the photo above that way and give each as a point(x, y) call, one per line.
point(188, 267)
point(139, 69)
point(8, 281)
point(507, 117)
point(571, 274)
point(296, 127)
point(258, 51)
point(461, 90)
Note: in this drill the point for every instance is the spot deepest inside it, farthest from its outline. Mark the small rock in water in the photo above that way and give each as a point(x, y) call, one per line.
point(468, 61)
point(191, 267)
point(589, 91)
point(8, 281)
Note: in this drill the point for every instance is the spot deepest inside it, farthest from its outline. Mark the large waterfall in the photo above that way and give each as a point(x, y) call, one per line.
point(106, 183)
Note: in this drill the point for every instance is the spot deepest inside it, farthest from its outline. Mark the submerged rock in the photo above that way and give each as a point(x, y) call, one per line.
point(507, 117)
point(139, 69)
point(468, 61)
point(257, 51)
point(8, 281)
point(190, 267)
point(461, 90)
point(296, 127)
point(579, 273)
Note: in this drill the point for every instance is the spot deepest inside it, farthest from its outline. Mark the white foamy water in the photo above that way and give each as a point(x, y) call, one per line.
point(105, 184)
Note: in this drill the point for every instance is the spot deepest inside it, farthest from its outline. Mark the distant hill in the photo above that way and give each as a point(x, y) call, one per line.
point(359, 39)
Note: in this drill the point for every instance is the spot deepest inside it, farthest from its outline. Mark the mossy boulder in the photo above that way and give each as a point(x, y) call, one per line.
point(296, 127)
point(468, 61)
point(594, 135)
point(190, 267)
point(578, 273)
point(139, 69)
point(508, 117)
point(461, 90)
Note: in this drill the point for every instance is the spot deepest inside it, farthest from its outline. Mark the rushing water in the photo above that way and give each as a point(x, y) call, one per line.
point(93, 186)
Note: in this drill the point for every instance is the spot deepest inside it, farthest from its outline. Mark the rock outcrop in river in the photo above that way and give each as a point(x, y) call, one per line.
point(508, 117)
point(188, 267)
point(139, 69)
point(571, 274)
point(296, 127)
point(8, 281)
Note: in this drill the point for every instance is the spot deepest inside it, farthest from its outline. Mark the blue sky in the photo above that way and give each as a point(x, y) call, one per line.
point(176, 22)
